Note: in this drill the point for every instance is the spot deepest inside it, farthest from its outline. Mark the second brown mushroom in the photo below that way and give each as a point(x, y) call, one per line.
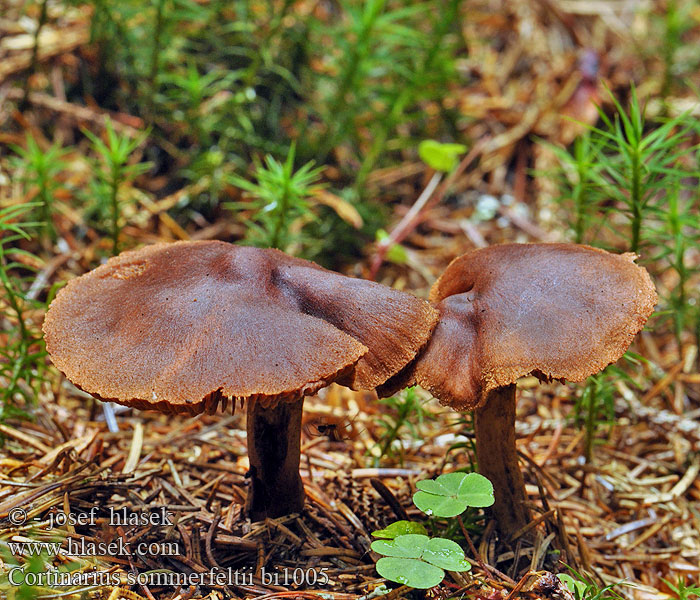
point(557, 311)
point(189, 326)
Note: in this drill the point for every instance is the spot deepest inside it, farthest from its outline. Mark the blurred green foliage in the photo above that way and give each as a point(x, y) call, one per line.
point(38, 169)
point(226, 86)
point(112, 170)
point(403, 413)
point(631, 184)
point(248, 77)
point(22, 362)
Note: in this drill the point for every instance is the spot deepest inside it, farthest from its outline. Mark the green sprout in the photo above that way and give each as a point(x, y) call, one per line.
point(279, 198)
point(409, 556)
point(398, 528)
point(682, 590)
point(584, 588)
point(441, 157)
point(113, 172)
point(396, 253)
point(40, 170)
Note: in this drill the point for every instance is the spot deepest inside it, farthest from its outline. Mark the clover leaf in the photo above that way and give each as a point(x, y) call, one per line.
point(410, 545)
point(451, 493)
point(445, 554)
point(417, 560)
point(411, 572)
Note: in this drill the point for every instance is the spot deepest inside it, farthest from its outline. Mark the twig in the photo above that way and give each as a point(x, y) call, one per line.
point(472, 548)
point(519, 586)
point(208, 540)
point(402, 229)
point(431, 195)
point(122, 123)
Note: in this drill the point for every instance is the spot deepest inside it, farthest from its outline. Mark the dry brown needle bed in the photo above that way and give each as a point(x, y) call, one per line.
point(631, 514)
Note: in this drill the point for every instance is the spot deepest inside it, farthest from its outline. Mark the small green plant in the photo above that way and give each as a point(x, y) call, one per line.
point(623, 167)
point(439, 156)
point(39, 170)
point(678, 57)
point(404, 412)
point(395, 253)
point(584, 588)
point(451, 493)
point(279, 199)
point(200, 100)
point(409, 556)
point(113, 172)
point(22, 352)
point(632, 183)
point(595, 406)
point(681, 590)
point(398, 528)
point(418, 561)
point(576, 181)
point(677, 234)
point(636, 165)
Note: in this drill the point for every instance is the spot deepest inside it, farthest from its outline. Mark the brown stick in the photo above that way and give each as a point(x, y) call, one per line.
point(434, 196)
point(389, 498)
point(497, 456)
point(475, 552)
point(274, 446)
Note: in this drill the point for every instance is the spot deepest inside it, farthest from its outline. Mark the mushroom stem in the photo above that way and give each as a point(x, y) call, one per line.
point(494, 425)
point(274, 446)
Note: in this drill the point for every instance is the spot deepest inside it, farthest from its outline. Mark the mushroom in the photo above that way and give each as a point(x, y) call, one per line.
point(184, 327)
point(556, 311)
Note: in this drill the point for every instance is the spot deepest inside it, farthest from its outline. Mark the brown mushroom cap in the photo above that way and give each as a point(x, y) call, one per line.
point(173, 327)
point(559, 311)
